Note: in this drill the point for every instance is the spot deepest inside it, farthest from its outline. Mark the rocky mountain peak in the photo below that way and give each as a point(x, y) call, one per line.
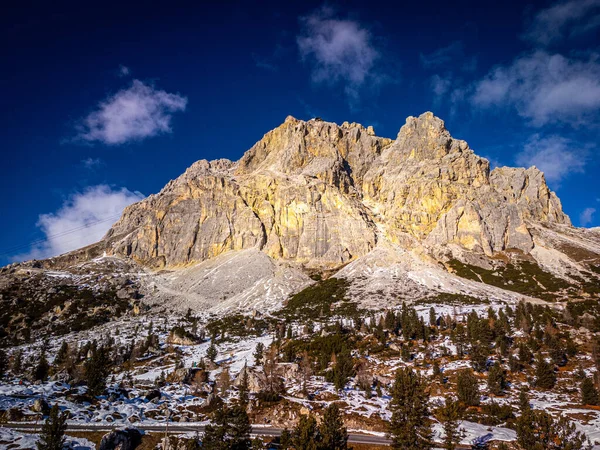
point(320, 194)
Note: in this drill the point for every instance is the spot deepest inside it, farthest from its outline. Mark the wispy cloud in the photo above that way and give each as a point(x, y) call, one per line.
point(133, 114)
point(83, 219)
point(263, 63)
point(556, 156)
point(544, 88)
point(563, 21)
point(451, 57)
point(124, 71)
point(338, 50)
point(586, 217)
point(92, 163)
point(440, 85)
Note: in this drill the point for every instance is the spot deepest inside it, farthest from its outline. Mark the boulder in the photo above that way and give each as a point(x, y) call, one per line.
point(127, 439)
point(40, 405)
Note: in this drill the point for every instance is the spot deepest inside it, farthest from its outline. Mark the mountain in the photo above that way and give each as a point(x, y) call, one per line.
point(414, 217)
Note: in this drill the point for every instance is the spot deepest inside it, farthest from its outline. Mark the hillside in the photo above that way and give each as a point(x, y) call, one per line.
point(322, 264)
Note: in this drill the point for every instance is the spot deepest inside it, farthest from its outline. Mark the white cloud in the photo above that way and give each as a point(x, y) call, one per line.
point(132, 114)
point(440, 85)
point(124, 71)
point(564, 20)
point(544, 88)
point(586, 217)
point(556, 156)
point(339, 50)
point(91, 163)
point(83, 219)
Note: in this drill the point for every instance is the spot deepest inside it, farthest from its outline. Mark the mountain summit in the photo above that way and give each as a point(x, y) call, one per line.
point(322, 195)
point(400, 220)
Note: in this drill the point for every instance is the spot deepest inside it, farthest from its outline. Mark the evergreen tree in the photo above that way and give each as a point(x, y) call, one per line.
point(479, 354)
point(243, 389)
point(273, 383)
point(525, 354)
point(432, 318)
point(450, 415)
point(3, 363)
point(96, 369)
point(437, 372)
point(496, 379)
point(409, 427)
point(342, 370)
point(589, 393)
point(41, 369)
point(52, 436)
point(526, 437)
point(61, 356)
point(557, 351)
point(306, 435)
point(285, 440)
point(230, 430)
point(537, 430)
point(544, 373)
point(514, 364)
point(212, 351)
point(17, 362)
point(334, 435)
point(258, 354)
point(467, 388)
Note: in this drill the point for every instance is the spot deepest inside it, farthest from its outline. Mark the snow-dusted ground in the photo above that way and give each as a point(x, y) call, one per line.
point(179, 399)
point(16, 440)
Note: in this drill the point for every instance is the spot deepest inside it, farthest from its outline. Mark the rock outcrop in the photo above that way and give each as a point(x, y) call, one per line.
point(321, 195)
point(418, 216)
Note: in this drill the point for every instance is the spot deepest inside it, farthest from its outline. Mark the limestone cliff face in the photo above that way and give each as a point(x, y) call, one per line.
point(322, 195)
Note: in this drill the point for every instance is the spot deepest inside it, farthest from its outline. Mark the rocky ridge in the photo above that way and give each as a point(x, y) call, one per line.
point(321, 195)
point(412, 216)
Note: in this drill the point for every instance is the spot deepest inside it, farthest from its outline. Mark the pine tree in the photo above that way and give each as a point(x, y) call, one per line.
point(544, 373)
point(306, 435)
point(230, 429)
point(40, 372)
point(496, 379)
point(342, 370)
point(450, 416)
point(409, 427)
point(537, 430)
point(240, 428)
point(258, 354)
point(479, 354)
point(212, 351)
point(514, 364)
point(243, 388)
point(285, 440)
point(467, 388)
point(432, 318)
point(437, 372)
point(524, 424)
point(273, 383)
point(52, 436)
point(61, 356)
point(17, 362)
point(334, 435)
point(3, 363)
point(96, 370)
point(525, 354)
point(589, 393)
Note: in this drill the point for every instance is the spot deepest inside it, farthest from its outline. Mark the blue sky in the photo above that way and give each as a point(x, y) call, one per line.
point(104, 105)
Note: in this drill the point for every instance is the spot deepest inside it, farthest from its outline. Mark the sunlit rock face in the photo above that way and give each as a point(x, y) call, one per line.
point(321, 195)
